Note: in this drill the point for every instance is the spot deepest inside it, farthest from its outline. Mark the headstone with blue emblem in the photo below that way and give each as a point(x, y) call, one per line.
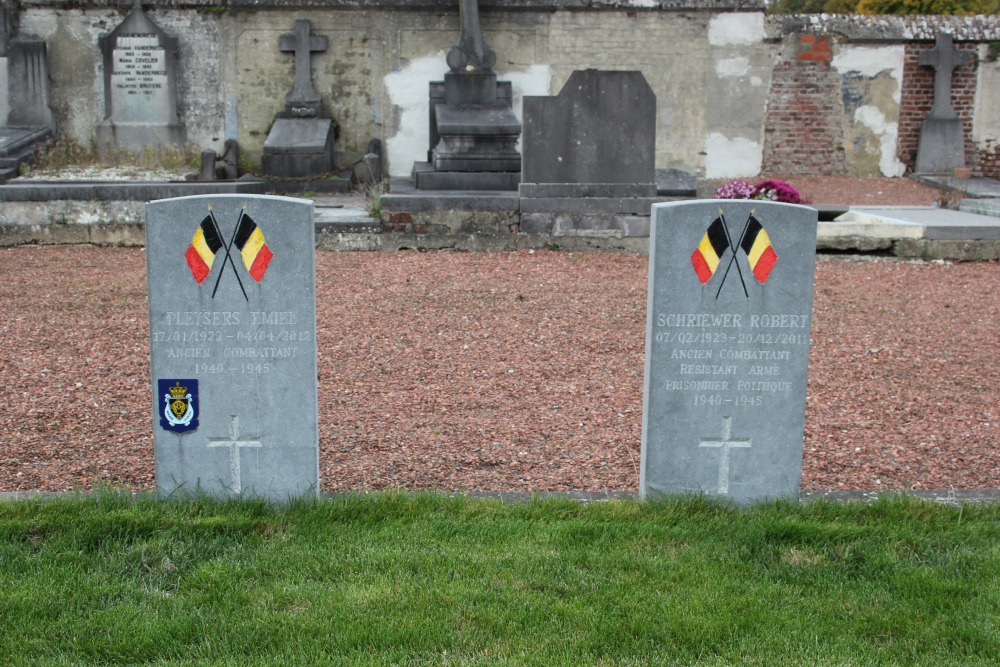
point(232, 318)
point(727, 349)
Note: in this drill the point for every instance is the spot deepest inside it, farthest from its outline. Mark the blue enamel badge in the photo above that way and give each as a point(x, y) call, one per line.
point(179, 407)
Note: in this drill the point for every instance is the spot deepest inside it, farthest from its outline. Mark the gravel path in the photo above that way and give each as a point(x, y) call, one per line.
point(515, 371)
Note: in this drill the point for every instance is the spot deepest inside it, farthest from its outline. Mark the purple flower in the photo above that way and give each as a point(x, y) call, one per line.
point(734, 190)
point(775, 190)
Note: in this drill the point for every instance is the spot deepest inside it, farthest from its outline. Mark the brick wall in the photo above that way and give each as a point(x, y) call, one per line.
point(989, 160)
point(918, 98)
point(803, 133)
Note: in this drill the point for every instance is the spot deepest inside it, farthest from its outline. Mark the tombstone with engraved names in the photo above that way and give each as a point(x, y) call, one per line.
point(232, 316)
point(727, 349)
point(140, 86)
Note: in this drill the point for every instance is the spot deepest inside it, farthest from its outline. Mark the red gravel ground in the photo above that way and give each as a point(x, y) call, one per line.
point(504, 371)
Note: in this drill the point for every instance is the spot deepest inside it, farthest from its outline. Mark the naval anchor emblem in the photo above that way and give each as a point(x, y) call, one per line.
point(180, 405)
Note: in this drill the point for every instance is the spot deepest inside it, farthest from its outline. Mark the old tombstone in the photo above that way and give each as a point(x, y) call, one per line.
point(140, 86)
point(589, 160)
point(300, 143)
point(727, 348)
point(473, 130)
point(26, 119)
point(942, 140)
point(232, 315)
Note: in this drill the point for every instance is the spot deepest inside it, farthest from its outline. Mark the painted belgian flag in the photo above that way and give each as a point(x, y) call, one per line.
point(760, 253)
point(252, 246)
point(708, 254)
point(201, 253)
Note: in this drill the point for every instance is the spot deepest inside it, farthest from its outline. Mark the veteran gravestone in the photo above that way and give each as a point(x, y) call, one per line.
point(140, 86)
point(232, 315)
point(727, 349)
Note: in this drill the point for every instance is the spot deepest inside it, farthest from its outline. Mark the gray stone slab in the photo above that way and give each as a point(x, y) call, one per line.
point(676, 183)
point(467, 180)
point(451, 201)
point(727, 350)
point(480, 119)
point(35, 190)
point(567, 190)
point(298, 148)
point(926, 222)
point(973, 187)
point(989, 207)
point(626, 205)
point(233, 346)
point(15, 140)
point(600, 128)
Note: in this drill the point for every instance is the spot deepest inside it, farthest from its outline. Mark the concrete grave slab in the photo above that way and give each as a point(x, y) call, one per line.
point(232, 313)
point(727, 348)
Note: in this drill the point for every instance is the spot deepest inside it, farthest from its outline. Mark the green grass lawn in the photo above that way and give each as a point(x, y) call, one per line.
point(395, 579)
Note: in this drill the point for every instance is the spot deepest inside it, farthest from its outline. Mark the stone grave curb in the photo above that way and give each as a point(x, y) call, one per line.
point(944, 497)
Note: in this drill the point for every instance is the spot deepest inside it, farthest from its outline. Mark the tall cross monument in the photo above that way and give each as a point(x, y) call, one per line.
point(942, 139)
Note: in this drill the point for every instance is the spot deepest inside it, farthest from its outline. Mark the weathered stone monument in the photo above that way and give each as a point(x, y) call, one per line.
point(589, 156)
point(300, 143)
point(727, 348)
point(26, 119)
point(232, 315)
point(473, 131)
point(140, 86)
point(942, 140)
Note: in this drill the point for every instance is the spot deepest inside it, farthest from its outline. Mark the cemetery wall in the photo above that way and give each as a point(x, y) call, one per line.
point(733, 85)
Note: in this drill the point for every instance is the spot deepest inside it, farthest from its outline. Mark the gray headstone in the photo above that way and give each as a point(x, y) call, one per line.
point(942, 140)
point(727, 348)
point(233, 345)
point(140, 85)
point(600, 128)
point(28, 83)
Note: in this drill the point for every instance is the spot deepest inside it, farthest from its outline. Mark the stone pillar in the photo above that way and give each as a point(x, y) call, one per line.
point(28, 83)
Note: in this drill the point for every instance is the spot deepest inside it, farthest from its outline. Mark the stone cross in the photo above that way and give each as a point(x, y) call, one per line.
point(725, 443)
point(471, 51)
point(304, 100)
point(944, 58)
point(234, 444)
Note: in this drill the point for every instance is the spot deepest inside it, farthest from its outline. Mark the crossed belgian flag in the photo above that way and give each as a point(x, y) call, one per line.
point(247, 238)
point(754, 241)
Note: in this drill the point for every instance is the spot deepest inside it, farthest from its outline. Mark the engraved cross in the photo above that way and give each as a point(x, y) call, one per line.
point(725, 444)
point(234, 444)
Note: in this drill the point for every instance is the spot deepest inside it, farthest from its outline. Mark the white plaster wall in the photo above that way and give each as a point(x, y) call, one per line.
point(986, 123)
point(876, 73)
point(737, 85)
